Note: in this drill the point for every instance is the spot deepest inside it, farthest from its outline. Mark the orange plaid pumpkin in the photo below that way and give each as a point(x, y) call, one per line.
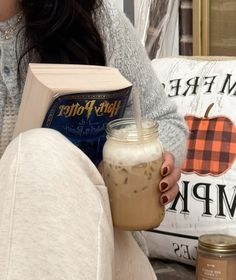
point(211, 144)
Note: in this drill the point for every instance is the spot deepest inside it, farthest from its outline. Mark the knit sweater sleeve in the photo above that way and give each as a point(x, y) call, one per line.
point(125, 52)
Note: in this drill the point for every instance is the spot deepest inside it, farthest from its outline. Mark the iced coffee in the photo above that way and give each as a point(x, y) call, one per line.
point(132, 163)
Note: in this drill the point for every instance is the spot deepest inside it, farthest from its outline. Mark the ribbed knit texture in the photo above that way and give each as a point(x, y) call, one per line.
point(9, 93)
point(123, 51)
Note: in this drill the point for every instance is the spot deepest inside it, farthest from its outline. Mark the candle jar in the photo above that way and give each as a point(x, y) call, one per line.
point(132, 162)
point(216, 257)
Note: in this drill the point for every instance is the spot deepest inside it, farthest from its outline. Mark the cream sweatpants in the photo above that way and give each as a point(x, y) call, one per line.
point(55, 220)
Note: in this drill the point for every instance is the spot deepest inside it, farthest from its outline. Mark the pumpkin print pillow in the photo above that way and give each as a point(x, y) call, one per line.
point(204, 90)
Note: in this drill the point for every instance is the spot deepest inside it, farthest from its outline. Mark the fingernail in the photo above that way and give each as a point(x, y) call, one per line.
point(164, 199)
point(164, 171)
point(164, 186)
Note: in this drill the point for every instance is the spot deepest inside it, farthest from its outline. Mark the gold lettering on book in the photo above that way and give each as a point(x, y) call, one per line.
point(76, 109)
point(108, 108)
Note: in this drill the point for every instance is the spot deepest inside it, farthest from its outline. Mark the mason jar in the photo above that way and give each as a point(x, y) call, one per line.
point(216, 257)
point(132, 172)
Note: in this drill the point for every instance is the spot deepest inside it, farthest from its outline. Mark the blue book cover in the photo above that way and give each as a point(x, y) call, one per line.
point(82, 118)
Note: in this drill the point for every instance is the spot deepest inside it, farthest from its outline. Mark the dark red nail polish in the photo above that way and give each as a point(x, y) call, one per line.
point(164, 186)
point(164, 171)
point(164, 199)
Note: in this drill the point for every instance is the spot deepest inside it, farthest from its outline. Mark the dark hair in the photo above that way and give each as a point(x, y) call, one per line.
point(63, 31)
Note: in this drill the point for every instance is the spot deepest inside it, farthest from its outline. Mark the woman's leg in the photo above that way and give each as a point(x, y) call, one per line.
point(130, 261)
point(54, 223)
point(55, 219)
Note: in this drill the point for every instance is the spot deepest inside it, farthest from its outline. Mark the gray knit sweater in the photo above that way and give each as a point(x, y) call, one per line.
point(123, 51)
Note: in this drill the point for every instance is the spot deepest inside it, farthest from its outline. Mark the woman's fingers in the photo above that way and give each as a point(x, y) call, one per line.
point(169, 195)
point(171, 175)
point(170, 180)
point(168, 164)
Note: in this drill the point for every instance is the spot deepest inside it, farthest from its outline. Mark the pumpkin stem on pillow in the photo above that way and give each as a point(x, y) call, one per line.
point(208, 110)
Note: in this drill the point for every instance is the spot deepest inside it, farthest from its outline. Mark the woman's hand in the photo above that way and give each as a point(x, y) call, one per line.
point(171, 174)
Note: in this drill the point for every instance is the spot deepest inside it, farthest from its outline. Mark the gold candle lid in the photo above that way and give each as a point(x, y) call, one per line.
point(218, 243)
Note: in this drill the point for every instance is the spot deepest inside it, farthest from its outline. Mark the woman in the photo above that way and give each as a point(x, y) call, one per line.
point(55, 221)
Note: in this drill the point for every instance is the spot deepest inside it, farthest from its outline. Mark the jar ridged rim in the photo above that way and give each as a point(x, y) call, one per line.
point(218, 243)
point(134, 134)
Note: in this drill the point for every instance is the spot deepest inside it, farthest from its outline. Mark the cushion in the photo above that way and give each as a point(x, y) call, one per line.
point(204, 90)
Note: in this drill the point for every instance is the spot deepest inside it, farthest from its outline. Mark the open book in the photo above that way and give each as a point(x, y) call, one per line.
point(77, 100)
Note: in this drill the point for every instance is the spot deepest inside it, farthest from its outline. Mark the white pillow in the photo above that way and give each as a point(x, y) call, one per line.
point(205, 93)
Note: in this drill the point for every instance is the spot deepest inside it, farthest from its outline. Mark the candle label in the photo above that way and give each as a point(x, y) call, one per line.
point(211, 269)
